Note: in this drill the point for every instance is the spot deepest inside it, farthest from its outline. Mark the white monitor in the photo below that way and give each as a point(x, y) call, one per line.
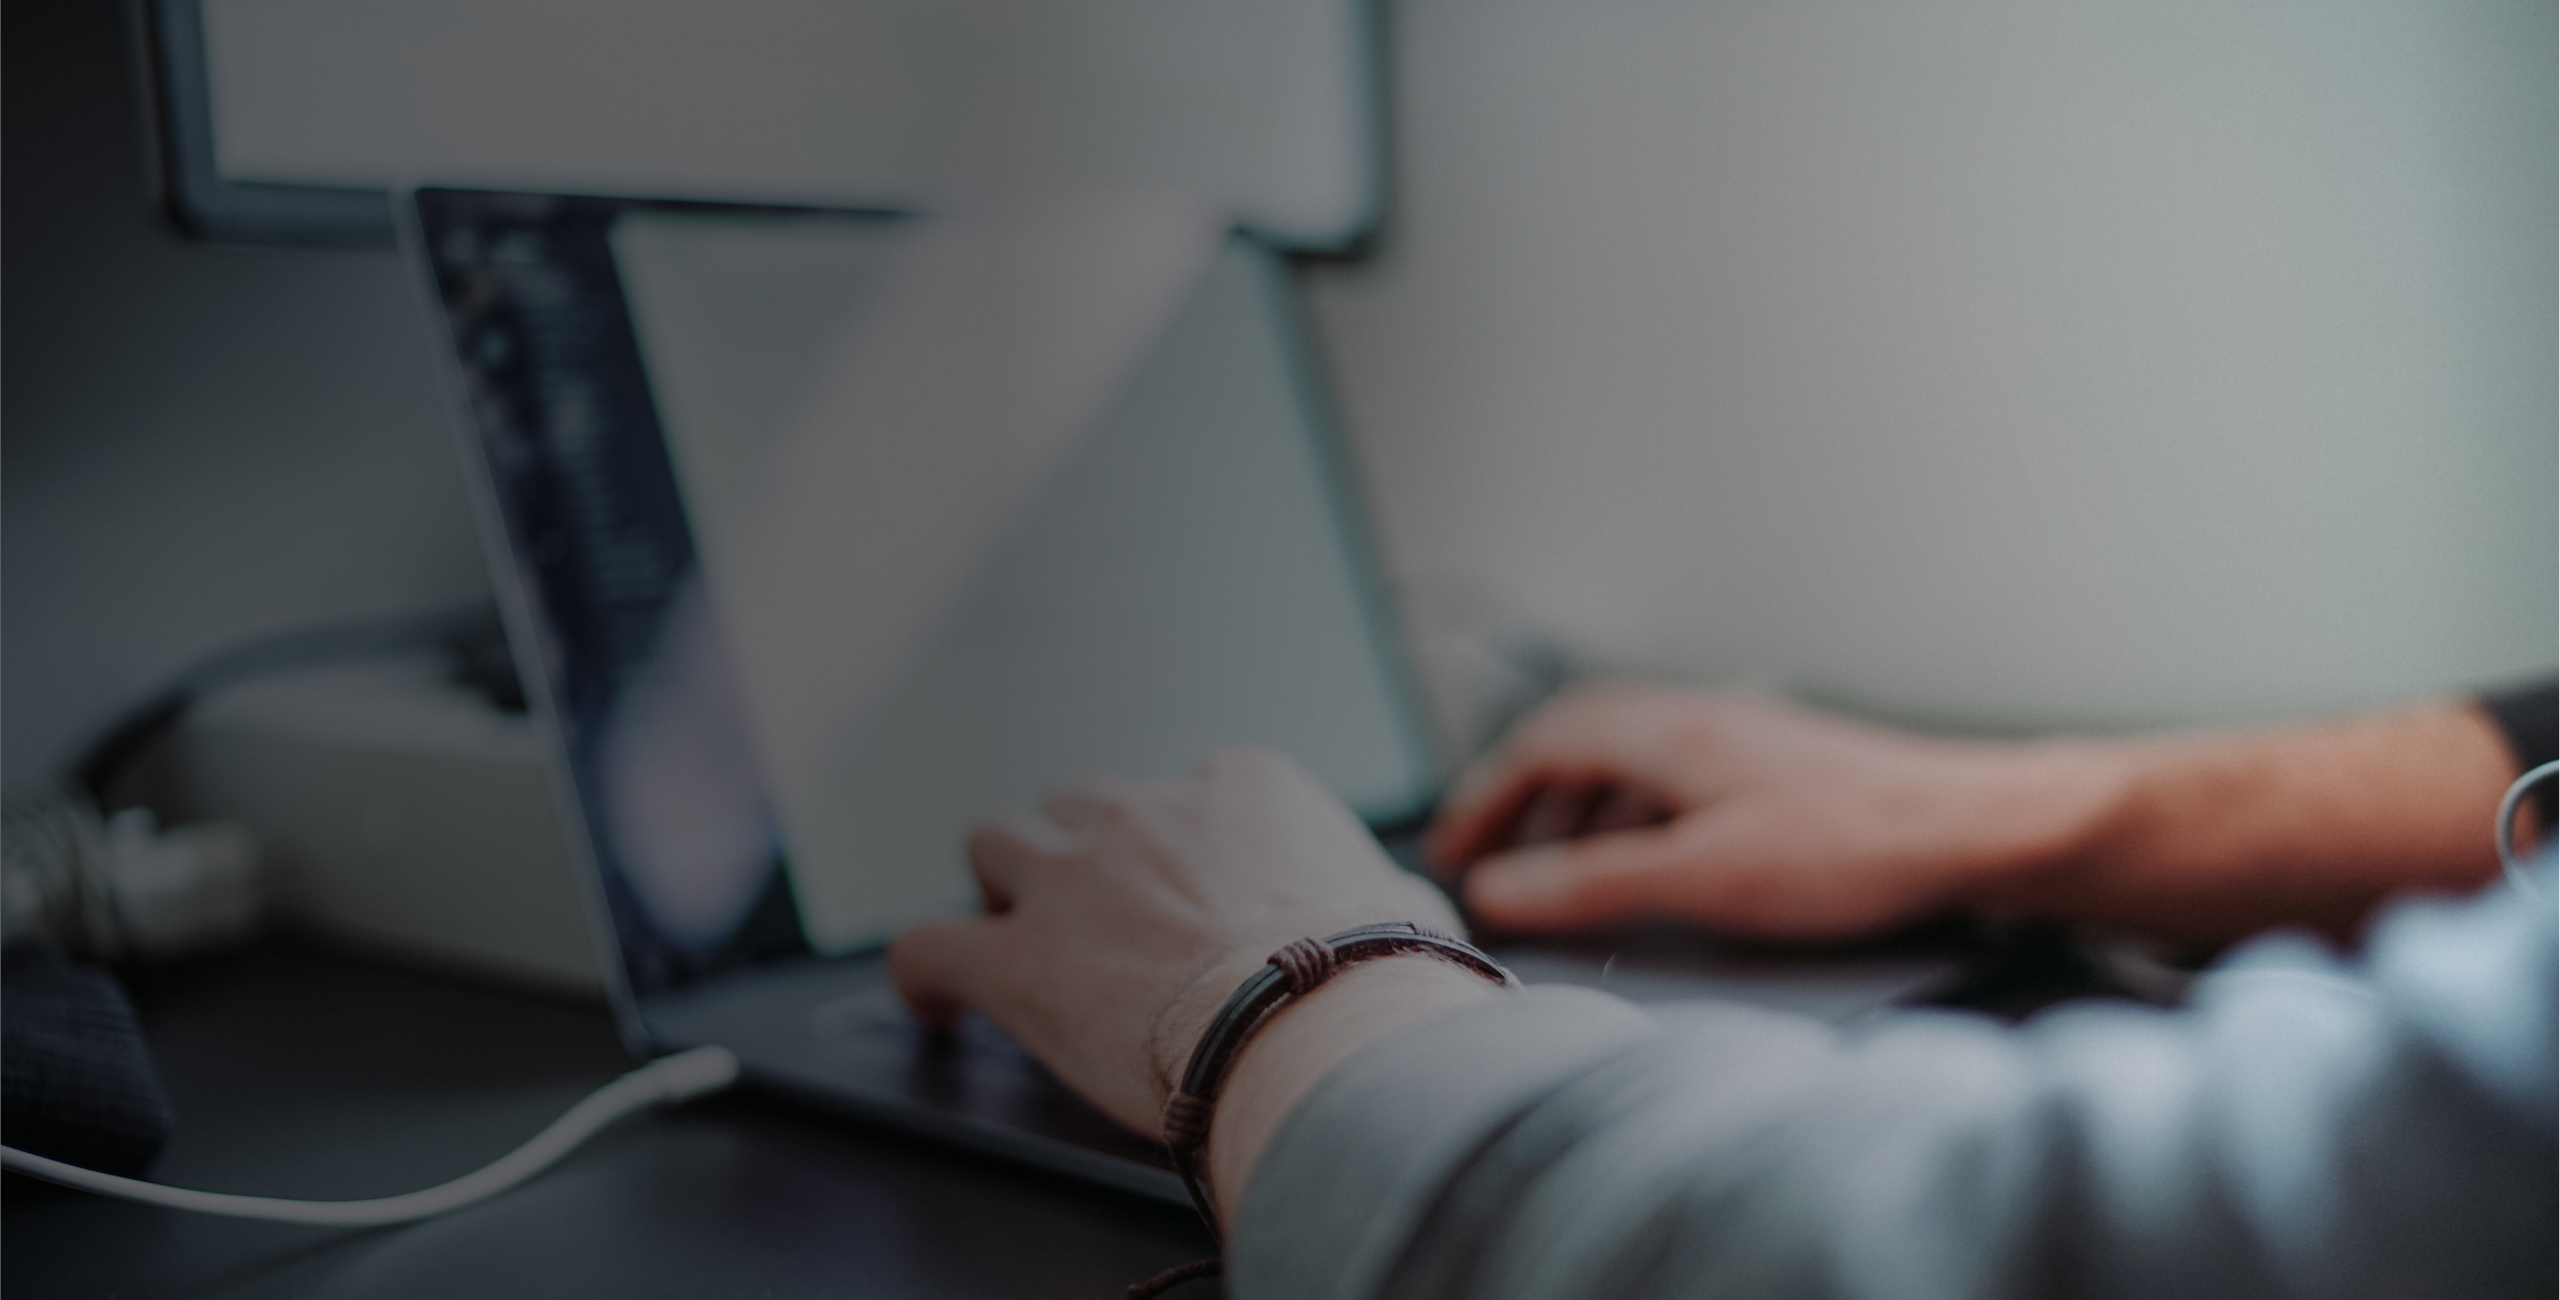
point(291, 118)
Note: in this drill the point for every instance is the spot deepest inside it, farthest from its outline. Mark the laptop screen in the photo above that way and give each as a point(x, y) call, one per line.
point(817, 569)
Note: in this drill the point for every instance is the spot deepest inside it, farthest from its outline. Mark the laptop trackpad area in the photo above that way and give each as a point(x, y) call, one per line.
point(837, 1033)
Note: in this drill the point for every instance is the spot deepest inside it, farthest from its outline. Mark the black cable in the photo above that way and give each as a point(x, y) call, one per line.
point(472, 637)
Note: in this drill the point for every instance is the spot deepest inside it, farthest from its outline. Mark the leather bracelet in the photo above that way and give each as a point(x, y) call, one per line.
point(1293, 972)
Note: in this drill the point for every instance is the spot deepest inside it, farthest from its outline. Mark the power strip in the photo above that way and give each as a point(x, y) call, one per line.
point(400, 812)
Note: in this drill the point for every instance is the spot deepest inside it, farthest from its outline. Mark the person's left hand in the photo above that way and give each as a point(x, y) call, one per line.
point(1120, 917)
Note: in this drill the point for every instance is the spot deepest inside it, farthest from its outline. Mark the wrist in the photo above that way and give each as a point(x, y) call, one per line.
point(1308, 1038)
point(2052, 809)
point(2181, 820)
point(2212, 836)
point(1187, 1015)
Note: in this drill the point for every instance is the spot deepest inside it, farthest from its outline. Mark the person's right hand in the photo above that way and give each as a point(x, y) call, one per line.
point(1749, 816)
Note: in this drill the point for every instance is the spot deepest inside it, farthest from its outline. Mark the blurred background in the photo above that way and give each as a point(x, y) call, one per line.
point(2007, 363)
point(1986, 363)
point(1991, 365)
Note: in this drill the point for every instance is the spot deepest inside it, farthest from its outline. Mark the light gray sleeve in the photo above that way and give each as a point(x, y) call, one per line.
point(2305, 1127)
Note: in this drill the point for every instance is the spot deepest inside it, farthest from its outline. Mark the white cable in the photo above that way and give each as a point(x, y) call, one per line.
point(680, 1077)
point(2507, 822)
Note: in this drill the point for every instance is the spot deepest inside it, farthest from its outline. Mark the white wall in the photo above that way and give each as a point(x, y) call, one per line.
point(1999, 361)
point(1991, 360)
point(200, 444)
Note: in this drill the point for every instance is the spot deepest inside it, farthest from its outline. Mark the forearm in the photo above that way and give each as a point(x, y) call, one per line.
point(2309, 1127)
point(2212, 837)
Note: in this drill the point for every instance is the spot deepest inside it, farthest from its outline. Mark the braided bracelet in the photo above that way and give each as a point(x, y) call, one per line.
point(1292, 972)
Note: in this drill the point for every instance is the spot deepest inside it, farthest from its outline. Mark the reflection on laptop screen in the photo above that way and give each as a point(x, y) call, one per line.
point(887, 621)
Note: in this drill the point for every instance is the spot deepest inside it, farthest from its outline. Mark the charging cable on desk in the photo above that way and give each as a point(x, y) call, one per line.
point(681, 1077)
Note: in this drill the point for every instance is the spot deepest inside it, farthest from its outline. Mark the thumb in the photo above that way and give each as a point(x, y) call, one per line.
point(1580, 883)
point(940, 968)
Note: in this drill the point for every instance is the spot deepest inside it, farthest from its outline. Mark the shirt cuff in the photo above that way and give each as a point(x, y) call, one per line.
point(1349, 1175)
point(2528, 717)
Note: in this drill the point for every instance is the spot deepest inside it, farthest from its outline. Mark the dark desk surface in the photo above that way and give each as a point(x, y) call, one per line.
point(300, 1073)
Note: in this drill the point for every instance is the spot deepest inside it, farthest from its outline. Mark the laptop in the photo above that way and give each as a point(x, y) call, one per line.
point(807, 572)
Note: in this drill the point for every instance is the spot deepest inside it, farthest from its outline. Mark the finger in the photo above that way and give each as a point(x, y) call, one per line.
point(1595, 738)
point(1553, 812)
point(1577, 738)
point(1626, 808)
point(1558, 810)
point(941, 967)
point(1007, 851)
point(1583, 883)
point(1480, 815)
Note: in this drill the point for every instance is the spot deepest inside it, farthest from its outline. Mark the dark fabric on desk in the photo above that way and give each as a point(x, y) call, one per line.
point(79, 1083)
point(2529, 717)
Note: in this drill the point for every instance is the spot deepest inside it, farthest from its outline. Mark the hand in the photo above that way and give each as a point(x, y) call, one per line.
point(1750, 816)
point(1121, 917)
